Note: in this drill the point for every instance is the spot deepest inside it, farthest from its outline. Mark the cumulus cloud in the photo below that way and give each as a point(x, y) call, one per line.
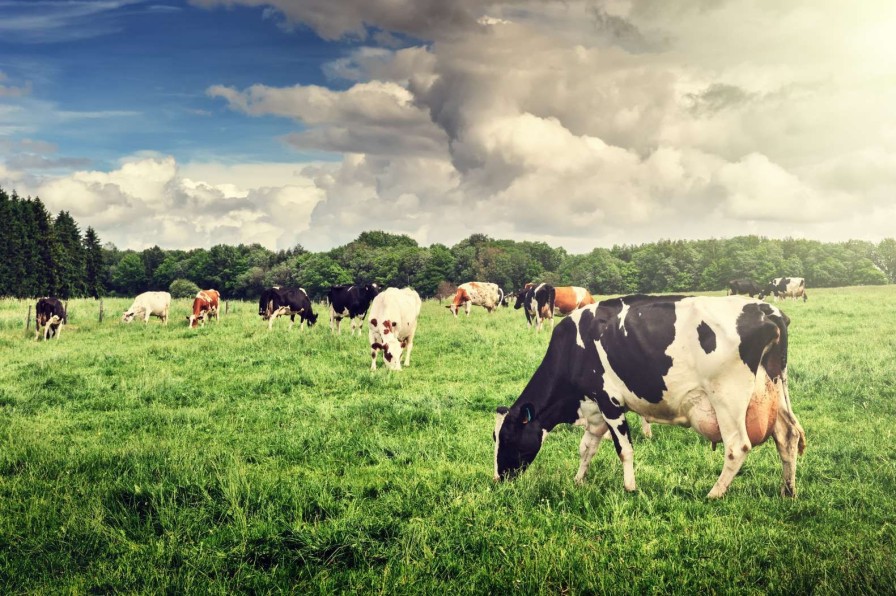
point(151, 200)
point(580, 122)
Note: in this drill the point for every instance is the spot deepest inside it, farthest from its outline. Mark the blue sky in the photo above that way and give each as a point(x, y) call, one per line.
point(114, 78)
point(582, 123)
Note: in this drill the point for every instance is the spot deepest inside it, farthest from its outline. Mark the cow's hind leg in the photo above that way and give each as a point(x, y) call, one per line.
point(733, 428)
point(645, 428)
point(790, 439)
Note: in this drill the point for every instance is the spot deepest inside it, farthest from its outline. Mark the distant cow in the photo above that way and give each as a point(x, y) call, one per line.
point(351, 302)
point(538, 303)
point(149, 304)
point(205, 305)
point(476, 293)
point(393, 322)
point(49, 317)
point(743, 287)
point(275, 302)
point(569, 298)
point(786, 287)
point(716, 364)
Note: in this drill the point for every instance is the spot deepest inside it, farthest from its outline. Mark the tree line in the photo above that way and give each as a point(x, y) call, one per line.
point(45, 255)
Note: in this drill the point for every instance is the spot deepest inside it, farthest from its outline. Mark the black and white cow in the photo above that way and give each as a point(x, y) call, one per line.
point(786, 287)
point(275, 302)
point(538, 302)
point(743, 287)
point(49, 317)
point(716, 364)
point(352, 302)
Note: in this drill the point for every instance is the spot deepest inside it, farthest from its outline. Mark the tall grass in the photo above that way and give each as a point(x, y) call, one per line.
point(151, 458)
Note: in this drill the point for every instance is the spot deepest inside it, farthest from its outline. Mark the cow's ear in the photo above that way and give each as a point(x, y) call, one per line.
point(502, 410)
point(527, 413)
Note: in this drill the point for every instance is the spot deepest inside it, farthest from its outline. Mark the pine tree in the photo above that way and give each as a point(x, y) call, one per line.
point(68, 257)
point(7, 257)
point(95, 269)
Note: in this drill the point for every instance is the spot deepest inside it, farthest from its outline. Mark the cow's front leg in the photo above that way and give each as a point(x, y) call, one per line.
point(614, 415)
point(409, 343)
point(588, 447)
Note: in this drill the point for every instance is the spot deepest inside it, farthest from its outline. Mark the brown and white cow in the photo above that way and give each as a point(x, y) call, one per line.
point(569, 298)
point(205, 304)
point(393, 322)
point(49, 317)
point(476, 293)
point(147, 304)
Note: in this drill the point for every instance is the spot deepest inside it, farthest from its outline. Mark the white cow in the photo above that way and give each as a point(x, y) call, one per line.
point(147, 304)
point(393, 321)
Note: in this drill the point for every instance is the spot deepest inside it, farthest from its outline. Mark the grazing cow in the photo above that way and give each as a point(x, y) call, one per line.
point(716, 364)
point(275, 302)
point(569, 298)
point(205, 304)
point(538, 302)
point(476, 293)
point(743, 287)
point(149, 304)
point(786, 287)
point(393, 321)
point(49, 317)
point(352, 302)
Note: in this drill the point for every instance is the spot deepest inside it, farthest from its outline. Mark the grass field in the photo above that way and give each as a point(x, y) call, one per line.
point(232, 459)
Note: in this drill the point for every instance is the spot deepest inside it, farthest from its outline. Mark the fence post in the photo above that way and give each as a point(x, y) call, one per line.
point(28, 319)
point(226, 307)
point(101, 310)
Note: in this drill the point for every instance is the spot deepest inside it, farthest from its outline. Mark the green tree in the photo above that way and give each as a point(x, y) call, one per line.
point(320, 271)
point(94, 267)
point(129, 275)
point(69, 257)
point(183, 288)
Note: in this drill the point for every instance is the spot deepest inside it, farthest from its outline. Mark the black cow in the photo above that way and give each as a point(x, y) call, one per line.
point(49, 317)
point(538, 302)
point(275, 302)
point(352, 302)
point(743, 287)
point(716, 364)
point(786, 287)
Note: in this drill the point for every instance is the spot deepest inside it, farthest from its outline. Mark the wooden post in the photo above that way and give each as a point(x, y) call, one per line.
point(101, 310)
point(28, 319)
point(226, 307)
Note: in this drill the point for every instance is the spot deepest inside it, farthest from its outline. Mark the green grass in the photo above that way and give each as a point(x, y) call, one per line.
point(232, 459)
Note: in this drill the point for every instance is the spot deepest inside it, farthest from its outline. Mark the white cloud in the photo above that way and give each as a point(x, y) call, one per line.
point(150, 200)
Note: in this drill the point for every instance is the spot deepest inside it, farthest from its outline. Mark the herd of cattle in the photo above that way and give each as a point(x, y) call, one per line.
point(715, 364)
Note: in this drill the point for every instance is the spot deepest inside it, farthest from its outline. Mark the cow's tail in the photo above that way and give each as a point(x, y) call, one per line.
point(500, 296)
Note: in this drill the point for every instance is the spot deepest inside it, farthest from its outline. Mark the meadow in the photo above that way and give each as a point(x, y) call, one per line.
point(231, 459)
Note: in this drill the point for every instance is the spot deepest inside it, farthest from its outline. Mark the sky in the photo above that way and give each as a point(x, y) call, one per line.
point(582, 124)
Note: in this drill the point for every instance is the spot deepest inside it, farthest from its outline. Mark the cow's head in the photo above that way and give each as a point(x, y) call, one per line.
point(520, 299)
point(370, 291)
point(196, 320)
point(311, 318)
point(518, 437)
point(128, 316)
